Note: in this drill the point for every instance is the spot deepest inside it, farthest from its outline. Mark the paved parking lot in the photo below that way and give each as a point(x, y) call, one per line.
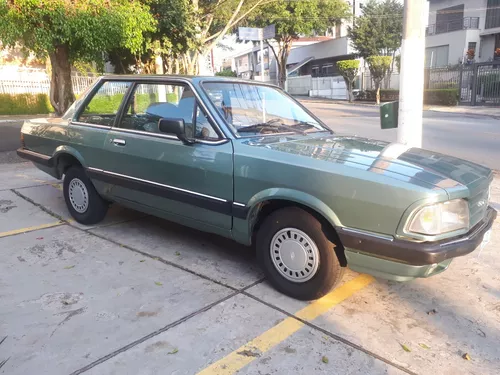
point(140, 295)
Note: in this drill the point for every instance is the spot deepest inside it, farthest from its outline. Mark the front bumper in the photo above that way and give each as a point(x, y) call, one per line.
point(402, 260)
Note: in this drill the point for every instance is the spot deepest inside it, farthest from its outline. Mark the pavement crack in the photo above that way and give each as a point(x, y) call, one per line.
point(70, 315)
point(44, 209)
point(155, 333)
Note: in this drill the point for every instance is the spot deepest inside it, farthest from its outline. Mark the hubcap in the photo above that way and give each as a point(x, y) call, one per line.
point(78, 195)
point(294, 254)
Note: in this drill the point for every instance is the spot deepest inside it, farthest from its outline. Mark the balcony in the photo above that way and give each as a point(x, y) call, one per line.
point(446, 27)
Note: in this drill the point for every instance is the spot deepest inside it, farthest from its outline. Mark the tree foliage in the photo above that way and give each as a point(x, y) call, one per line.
point(379, 67)
point(349, 69)
point(379, 30)
point(69, 31)
point(294, 18)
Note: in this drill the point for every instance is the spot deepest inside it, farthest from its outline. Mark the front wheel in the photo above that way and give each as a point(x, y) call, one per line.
point(82, 199)
point(296, 255)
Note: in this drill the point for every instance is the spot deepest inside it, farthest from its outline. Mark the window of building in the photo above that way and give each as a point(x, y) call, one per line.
point(492, 14)
point(436, 57)
point(327, 70)
point(450, 19)
point(315, 71)
point(471, 46)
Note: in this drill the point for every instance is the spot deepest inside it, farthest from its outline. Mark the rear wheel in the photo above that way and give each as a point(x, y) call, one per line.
point(83, 202)
point(296, 255)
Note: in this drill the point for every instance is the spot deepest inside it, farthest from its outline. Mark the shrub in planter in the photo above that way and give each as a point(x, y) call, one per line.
point(448, 97)
point(25, 104)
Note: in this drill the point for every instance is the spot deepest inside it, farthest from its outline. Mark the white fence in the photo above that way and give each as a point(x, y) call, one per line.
point(325, 87)
point(390, 82)
point(41, 85)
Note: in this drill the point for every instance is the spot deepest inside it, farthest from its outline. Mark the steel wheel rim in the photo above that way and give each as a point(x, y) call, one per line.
point(294, 254)
point(78, 195)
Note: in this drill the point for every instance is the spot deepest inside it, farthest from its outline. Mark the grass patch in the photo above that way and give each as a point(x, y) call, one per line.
point(25, 104)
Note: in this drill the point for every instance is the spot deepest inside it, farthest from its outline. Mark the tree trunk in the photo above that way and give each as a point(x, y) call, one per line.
point(349, 90)
point(177, 67)
point(61, 87)
point(377, 89)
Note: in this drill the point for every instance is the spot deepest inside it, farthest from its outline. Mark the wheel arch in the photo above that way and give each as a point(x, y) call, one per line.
point(65, 157)
point(263, 204)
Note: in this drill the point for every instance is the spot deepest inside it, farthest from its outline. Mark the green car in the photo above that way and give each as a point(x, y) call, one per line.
point(246, 161)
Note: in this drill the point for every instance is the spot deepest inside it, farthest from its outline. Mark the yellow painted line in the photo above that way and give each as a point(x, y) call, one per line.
point(57, 186)
point(234, 361)
point(30, 229)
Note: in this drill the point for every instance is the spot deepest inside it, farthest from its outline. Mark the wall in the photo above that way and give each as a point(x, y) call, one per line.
point(456, 40)
point(473, 8)
point(487, 48)
point(299, 85)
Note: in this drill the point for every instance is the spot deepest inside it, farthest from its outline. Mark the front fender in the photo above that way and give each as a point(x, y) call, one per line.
point(289, 195)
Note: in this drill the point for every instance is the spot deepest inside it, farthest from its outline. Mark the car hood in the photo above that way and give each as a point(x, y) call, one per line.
point(419, 166)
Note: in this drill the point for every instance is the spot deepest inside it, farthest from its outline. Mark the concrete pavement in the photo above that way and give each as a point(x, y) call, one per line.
point(140, 295)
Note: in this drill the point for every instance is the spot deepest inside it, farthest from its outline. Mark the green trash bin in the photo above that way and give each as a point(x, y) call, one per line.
point(389, 115)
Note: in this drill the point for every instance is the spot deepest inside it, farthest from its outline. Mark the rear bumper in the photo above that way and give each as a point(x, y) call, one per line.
point(36, 157)
point(405, 260)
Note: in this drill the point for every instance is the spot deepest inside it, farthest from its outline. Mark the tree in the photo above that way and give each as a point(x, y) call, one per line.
point(349, 69)
point(386, 18)
point(379, 67)
point(70, 31)
point(294, 18)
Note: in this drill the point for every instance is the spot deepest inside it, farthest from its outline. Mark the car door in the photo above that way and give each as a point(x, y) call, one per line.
point(157, 170)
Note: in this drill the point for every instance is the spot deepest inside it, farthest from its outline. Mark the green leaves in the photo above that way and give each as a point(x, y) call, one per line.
point(386, 17)
point(379, 66)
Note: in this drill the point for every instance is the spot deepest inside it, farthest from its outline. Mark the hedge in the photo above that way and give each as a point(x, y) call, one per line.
point(25, 104)
point(446, 97)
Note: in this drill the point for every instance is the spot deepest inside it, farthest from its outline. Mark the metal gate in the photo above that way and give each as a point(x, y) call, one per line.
point(480, 84)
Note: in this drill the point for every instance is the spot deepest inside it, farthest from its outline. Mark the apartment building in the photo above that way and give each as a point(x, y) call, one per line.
point(457, 26)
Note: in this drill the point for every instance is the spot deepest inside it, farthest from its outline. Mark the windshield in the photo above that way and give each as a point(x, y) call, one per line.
point(252, 109)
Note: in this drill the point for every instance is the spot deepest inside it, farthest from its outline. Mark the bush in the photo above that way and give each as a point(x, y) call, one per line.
point(25, 104)
point(226, 73)
point(447, 97)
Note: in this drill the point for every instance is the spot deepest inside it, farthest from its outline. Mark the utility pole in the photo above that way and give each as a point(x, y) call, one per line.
point(411, 87)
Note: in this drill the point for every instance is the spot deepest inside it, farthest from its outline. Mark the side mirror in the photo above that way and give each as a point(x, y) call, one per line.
point(174, 126)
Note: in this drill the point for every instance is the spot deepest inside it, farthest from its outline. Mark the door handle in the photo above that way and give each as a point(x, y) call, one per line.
point(119, 142)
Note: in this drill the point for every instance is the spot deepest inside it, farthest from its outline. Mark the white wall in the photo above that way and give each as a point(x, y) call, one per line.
point(487, 48)
point(299, 85)
point(456, 40)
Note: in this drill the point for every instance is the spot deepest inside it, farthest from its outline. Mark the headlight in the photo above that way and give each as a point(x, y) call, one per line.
point(440, 218)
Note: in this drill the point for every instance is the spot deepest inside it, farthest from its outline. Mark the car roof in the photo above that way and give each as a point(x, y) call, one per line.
point(172, 76)
point(194, 79)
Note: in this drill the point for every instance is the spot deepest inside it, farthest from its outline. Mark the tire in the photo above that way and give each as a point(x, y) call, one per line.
point(305, 239)
point(83, 202)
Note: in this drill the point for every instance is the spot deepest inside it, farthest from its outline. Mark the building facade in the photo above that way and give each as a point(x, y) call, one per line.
point(457, 27)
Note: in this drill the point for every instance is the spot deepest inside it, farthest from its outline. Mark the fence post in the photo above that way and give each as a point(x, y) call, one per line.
point(474, 85)
point(460, 83)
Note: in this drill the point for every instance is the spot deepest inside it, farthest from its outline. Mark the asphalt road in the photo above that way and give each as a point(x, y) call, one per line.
point(471, 137)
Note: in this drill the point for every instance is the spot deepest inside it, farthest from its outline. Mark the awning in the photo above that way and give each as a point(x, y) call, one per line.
point(297, 66)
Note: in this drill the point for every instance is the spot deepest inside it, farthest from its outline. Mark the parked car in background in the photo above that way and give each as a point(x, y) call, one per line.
point(246, 161)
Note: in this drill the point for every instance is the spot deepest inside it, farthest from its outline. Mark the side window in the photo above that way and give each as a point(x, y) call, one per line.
point(151, 102)
point(103, 106)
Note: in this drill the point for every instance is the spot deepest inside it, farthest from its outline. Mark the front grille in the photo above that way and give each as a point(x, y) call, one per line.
point(478, 205)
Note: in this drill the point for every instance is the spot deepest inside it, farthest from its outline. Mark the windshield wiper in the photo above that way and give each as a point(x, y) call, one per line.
point(269, 125)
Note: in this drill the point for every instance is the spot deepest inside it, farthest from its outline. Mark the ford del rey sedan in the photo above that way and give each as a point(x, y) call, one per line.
point(248, 162)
